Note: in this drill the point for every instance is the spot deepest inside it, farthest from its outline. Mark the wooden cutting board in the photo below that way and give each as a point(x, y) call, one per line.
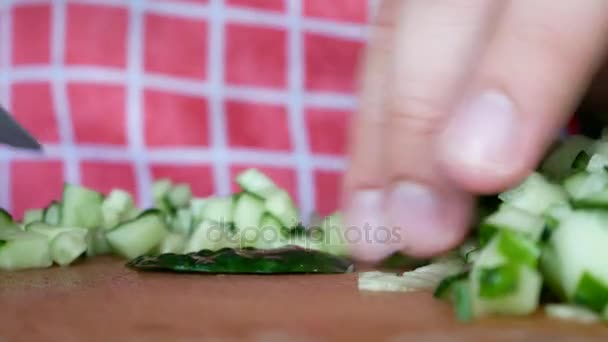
point(101, 300)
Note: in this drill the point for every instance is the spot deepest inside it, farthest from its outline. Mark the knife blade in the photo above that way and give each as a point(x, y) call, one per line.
point(13, 134)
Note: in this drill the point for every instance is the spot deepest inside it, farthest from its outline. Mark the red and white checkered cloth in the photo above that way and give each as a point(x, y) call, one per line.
point(123, 92)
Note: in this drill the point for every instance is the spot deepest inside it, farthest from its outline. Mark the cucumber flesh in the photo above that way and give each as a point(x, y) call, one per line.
point(52, 214)
point(116, 207)
point(160, 190)
point(179, 196)
point(173, 243)
point(597, 163)
point(558, 163)
point(271, 234)
point(32, 215)
point(66, 247)
point(257, 183)
point(182, 222)
point(211, 236)
point(248, 212)
point(97, 243)
point(334, 239)
point(280, 205)
point(52, 231)
point(81, 207)
point(219, 209)
point(535, 194)
point(197, 206)
point(23, 250)
point(138, 236)
point(514, 219)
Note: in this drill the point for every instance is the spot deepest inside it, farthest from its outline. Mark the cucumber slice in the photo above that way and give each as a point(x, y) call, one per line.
point(558, 163)
point(597, 163)
point(66, 247)
point(219, 209)
point(577, 247)
point(6, 220)
point(257, 183)
point(248, 212)
point(173, 243)
point(116, 207)
point(535, 195)
point(179, 196)
point(138, 236)
point(32, 215)
point(584, 184)
point(97, 243)
point(81, 207)
point(280, 205)
point(52, 213)
point(514, 219)
point(211, 236)
point(21, 250)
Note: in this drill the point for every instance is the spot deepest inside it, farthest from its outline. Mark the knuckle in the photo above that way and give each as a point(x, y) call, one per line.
point(416, 114)
point(550, 42)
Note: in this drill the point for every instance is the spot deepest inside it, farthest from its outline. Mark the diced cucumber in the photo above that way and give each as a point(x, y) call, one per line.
point(558, 163)
point(257, 183)
point(597, 163)
point(81, 207)
point(23, 250)
point(219, 209)
point(584, 184)
point(514, 219)
point(51, 232)
point(182, 222)
point(97, 243)
point(116, 207)
point(518, 249)
point(556, 213)
point(535, 194)
point(463, 300)
point(32, 215)
point(160, 190)
point(571, 312)
point(280, 205)
point(197, 206)
point(173, 243)
point(334, 238)
point(581, 161)
point(138, 236)
point(52, 213)
point(271, 234)
point(6, 220)
point(212, 236)
point(248, 212)
point(66, 247)
point(591, 292)
point(179, 196)
point(577, 247)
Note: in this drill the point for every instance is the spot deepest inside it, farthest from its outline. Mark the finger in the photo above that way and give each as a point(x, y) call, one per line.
point(363, 205)
point(534, 71)
point(428, 214)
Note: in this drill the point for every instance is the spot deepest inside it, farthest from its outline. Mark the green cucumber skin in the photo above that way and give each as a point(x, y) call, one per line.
point(6, 219)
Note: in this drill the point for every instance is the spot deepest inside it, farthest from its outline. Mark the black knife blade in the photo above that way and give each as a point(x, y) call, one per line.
point(13, 134)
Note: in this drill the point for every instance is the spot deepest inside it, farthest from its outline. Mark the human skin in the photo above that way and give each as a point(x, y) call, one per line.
point(460, 98)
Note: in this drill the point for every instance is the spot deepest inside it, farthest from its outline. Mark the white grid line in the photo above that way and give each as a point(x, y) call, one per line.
point(5, 97)
point(216, 105)
point(297, 123)
point(134, 115)
point(59, 90)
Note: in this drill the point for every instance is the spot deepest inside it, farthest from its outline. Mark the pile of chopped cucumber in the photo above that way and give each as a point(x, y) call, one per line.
point(544, 244)
point(85, 223)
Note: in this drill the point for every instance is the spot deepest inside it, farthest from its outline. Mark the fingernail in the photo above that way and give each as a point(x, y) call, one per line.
point(482, 133)
point(364, 215)
point(416, 213)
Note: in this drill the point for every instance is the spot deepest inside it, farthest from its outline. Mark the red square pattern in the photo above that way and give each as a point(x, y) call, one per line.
point(31, 34)
point(96, 35)
point(183, 1)
point(328, 185)
point(175, 120)
point(106, 176)
point(331, 63)
point(286, 178)
point(34, 184)
point(327, 130)
point(255, 125)
point(198, 176)
point(32, 105)
point(176, 46)
point(342, 10)
point(256, 56)
point(273, 5)
point(98, 113)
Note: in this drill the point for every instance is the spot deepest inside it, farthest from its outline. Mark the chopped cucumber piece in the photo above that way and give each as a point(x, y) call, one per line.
point(6, 220)
point(81, 207)
point(334, 238)
point(584, 184)
point(556, 213)
point(581, 161)
point(498, 281)
point(179, 196)
point(160, 190)
point(32, 215)
point(558, 163)
point(535, 194)
point(280, 205)
point(271, 234)
point(597, 163)
point(219, 209)
point(591, 292)
point(212, 236)
point(116, 207)
point(518, 249)
point(52, 214)
point(51, 232)
point(514, 219)
point(66, 247)
point(23, 250)
point(463, 300)
point(97, 243)
point(570, 312)
point(173, 243)
point(138, 236)
point(257, 183)
point(248, 212)
point(197, 206)
point(182, 222)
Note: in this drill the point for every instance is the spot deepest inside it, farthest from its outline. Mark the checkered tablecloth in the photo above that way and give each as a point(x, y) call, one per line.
point(124, 92)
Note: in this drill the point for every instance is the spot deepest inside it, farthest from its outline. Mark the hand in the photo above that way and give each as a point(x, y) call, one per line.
point(460, 97)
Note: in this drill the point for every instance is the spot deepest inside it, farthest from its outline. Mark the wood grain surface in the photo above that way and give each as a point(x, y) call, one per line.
point(101, 300)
